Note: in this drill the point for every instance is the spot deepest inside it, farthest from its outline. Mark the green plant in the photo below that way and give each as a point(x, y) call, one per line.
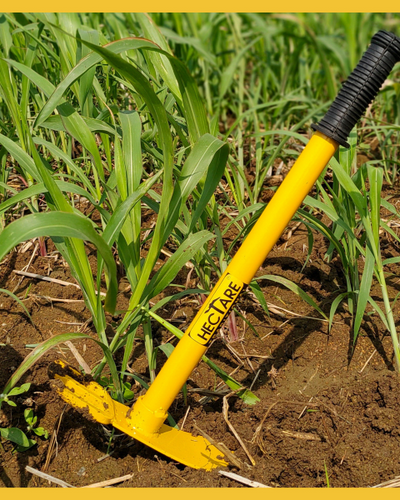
point(15, 391)
point(31, 420)
point(326, 475)
point(14, 434)
point(353, 204)
point(13, 296)
point(17, 437)
point(167, 138)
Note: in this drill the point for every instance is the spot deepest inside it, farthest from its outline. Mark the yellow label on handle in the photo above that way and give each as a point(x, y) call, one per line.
point(216, 309)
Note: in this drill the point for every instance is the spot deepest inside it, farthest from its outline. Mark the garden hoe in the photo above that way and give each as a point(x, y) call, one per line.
point(145, 421)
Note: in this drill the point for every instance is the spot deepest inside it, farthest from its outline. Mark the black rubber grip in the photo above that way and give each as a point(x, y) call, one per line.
point(360, 89)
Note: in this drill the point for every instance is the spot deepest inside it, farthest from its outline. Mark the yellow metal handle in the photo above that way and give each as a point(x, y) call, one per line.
point(151, 410)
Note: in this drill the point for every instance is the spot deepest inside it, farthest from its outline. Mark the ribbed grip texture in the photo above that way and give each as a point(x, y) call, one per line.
point(360, 89)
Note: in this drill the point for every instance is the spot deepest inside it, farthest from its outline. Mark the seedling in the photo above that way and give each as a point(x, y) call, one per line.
point(31, 420)
point(326, 475)
point(16, 391)
point(17, 437)
point(14, 434)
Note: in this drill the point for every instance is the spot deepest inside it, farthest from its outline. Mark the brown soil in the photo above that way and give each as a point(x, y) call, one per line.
point(323, 405)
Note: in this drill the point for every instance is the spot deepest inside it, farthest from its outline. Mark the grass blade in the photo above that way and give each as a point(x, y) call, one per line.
point(12, 295)
point(294, 288)
point(48, 344)
point(61, 225)
point(170, 269)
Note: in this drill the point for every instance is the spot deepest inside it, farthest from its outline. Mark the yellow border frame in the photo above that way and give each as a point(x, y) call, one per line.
point(208, 6)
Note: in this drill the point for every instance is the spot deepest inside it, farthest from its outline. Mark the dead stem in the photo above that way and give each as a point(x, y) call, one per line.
point(392, 483)
point(78, 357)
point(26, 267)
point(185, 417)
point(243, 480)
point(222, 448)
point(256, 439)
point(47, 477)
point(45, 278)
point(368, 360)
point(53, 444)
point(225, 413)
point(109, 482)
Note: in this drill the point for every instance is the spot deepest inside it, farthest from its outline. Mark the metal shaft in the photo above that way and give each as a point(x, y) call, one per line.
point(150, 410)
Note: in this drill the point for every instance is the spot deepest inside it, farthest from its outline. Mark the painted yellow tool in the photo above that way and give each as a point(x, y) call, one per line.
point(82, 392)
point(145, 421)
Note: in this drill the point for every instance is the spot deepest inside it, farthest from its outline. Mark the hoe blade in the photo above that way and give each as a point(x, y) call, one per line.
point(83, 393)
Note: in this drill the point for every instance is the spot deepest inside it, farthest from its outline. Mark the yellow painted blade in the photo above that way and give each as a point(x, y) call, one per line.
point(196, 452)
point(82, 392)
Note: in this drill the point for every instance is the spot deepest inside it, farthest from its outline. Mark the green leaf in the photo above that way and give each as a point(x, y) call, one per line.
point(347, 155)
point(41, 82)
point(40, 431)
point(45, 346)
point(17, 436)
point(40, 188)
point(61, 225)
point(2, 290)
point(365, 287)
point(170, 269)
point(380, 312)
point(132, 153)
point(255, 288)
point(245, 394)
point(72, 249)
point(24, 160)
point(335, 305)
point(76, 126)
point(345, 180)
point(58, 153)
point(143, 87)
point(118, 218)
point(131, 148)
point(167, 349)
point(392, 260)
point(214, 174)
point(19, 390)
point(86, 81)
point(5, 34)
point(196, 43)
point(229, 72)
point(84, 65)
point(29, 416)
point(137, 378)
point(160, 62)
point(200, 159)
point(93, 124)
point(294, 288)
point(177, 296)
point(375, 176)
point(315, 223)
